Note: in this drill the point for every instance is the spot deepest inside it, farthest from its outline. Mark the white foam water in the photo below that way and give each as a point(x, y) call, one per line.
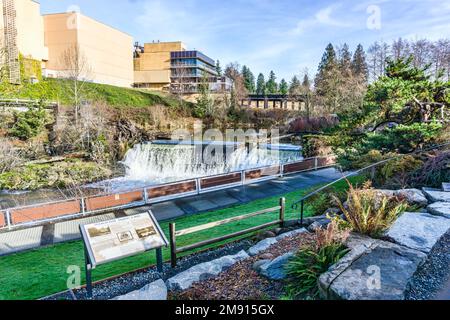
point(148, 164)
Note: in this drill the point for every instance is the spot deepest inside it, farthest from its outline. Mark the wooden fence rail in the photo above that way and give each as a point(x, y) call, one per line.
point(174, 250)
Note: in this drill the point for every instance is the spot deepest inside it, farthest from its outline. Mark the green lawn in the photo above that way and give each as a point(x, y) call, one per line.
point(41, 272)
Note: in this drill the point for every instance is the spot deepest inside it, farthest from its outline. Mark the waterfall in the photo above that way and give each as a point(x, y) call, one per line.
point(148, 163)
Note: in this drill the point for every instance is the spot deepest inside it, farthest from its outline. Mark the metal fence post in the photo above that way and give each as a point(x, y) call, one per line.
point(145, 196)
point(282, 211)
point(316, 163)
point(302, 208)
point(83, 206)
point(243, 178)
point(198, 185)
point(173, 245)
point(8, 219)
point(281, 170)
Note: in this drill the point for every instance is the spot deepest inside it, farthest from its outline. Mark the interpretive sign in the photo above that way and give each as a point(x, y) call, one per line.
point(121, 238)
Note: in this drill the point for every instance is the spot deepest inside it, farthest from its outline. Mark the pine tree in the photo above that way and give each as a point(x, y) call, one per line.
point(272, 86)
point(261, 85)
point(359, 64)
point(249, 79)
point(345, 61)
point(295, 86)
point(327, 65)
point(219, 69)
point(284, 87)
point(306, 84)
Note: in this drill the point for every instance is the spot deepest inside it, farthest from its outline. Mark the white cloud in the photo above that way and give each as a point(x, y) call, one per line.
point(322, 17)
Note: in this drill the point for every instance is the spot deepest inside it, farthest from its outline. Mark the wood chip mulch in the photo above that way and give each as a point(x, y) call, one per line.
point(241, 282)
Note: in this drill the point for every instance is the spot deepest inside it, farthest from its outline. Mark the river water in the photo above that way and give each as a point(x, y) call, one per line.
point(162, 161)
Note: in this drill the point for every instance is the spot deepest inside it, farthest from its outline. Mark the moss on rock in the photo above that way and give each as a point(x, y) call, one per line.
point(55, 175)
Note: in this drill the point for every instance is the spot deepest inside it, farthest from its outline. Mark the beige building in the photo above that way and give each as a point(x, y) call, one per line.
point(108, 51)
point(152, 64)
point(21, 32)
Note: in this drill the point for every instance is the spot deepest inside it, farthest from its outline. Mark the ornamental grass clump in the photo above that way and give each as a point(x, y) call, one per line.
point(305, 268)
point(371, 212)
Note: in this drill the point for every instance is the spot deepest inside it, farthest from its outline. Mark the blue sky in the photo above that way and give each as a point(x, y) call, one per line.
point(286, 36)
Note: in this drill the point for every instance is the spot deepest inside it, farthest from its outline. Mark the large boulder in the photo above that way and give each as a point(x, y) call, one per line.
point(262, 246)
point(413, 197)
point(418, 231)
point(155, 291)
point(436, 195)
point(204, 271)
point(274, 270)
point(291, 234)
point(382, 272)
point(440, 209)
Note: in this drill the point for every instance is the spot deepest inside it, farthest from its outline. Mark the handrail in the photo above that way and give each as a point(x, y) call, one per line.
point(146, 199)
point(354, 173)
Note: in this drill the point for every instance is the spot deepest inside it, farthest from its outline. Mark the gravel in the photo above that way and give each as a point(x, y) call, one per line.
point(432, 280)
point(108, 289)
point(241, 281)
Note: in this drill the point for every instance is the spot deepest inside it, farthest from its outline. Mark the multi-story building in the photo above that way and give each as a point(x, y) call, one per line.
point(108, 52)
point(21, 32)
point(152, 64)
point(189, 69)
point(169, 66)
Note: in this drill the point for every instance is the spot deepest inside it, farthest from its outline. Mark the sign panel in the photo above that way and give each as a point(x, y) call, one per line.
point(120, 238)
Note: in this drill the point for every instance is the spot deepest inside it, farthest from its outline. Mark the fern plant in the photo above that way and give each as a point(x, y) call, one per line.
point(369, 212)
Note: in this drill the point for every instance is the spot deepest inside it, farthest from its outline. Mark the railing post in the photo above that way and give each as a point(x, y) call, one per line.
point(83, 206)
point(373, 172)
point(243, 178)
point(281, 170)
point(145, 196)
point(302, 208)
point(316, 163)
point(8, 219)
point(282, 211)
point(173, 245)
point(198, 185)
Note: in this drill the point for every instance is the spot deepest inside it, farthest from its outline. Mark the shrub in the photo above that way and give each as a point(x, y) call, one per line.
point(397, 172)
point(30, 123)
point(304, 270)
point(369, 212)
point(434, 171)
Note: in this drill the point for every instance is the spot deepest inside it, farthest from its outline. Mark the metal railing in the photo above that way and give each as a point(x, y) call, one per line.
point(372, 167)
point(69, 209)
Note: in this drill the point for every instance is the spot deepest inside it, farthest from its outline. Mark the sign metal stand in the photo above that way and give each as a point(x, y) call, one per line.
point(91, 264)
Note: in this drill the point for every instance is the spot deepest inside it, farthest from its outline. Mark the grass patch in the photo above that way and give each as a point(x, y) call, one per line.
point(41, 272)
point(60, 90)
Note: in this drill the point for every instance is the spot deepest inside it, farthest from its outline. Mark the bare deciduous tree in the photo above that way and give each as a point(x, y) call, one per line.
point(75, 66)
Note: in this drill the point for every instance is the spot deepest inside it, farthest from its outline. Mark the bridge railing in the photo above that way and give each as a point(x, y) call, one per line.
point(28, 216)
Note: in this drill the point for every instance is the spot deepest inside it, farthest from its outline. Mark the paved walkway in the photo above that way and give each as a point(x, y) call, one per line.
point(20, 240)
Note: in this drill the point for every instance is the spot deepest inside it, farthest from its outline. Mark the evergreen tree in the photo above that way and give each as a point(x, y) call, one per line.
point(249, 79)
point(272, 86)
point(261, 85)
point(284, 87)
point(328, 80)
point(359, 64)
point(345, 61)
point(219, 69)
point(327, 64)
point(306, 84)
point(295, 86)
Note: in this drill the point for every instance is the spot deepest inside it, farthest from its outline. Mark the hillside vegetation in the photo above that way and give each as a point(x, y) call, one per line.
point(60, 91)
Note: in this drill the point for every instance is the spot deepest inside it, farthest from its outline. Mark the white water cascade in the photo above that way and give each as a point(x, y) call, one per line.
point(148, 164)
